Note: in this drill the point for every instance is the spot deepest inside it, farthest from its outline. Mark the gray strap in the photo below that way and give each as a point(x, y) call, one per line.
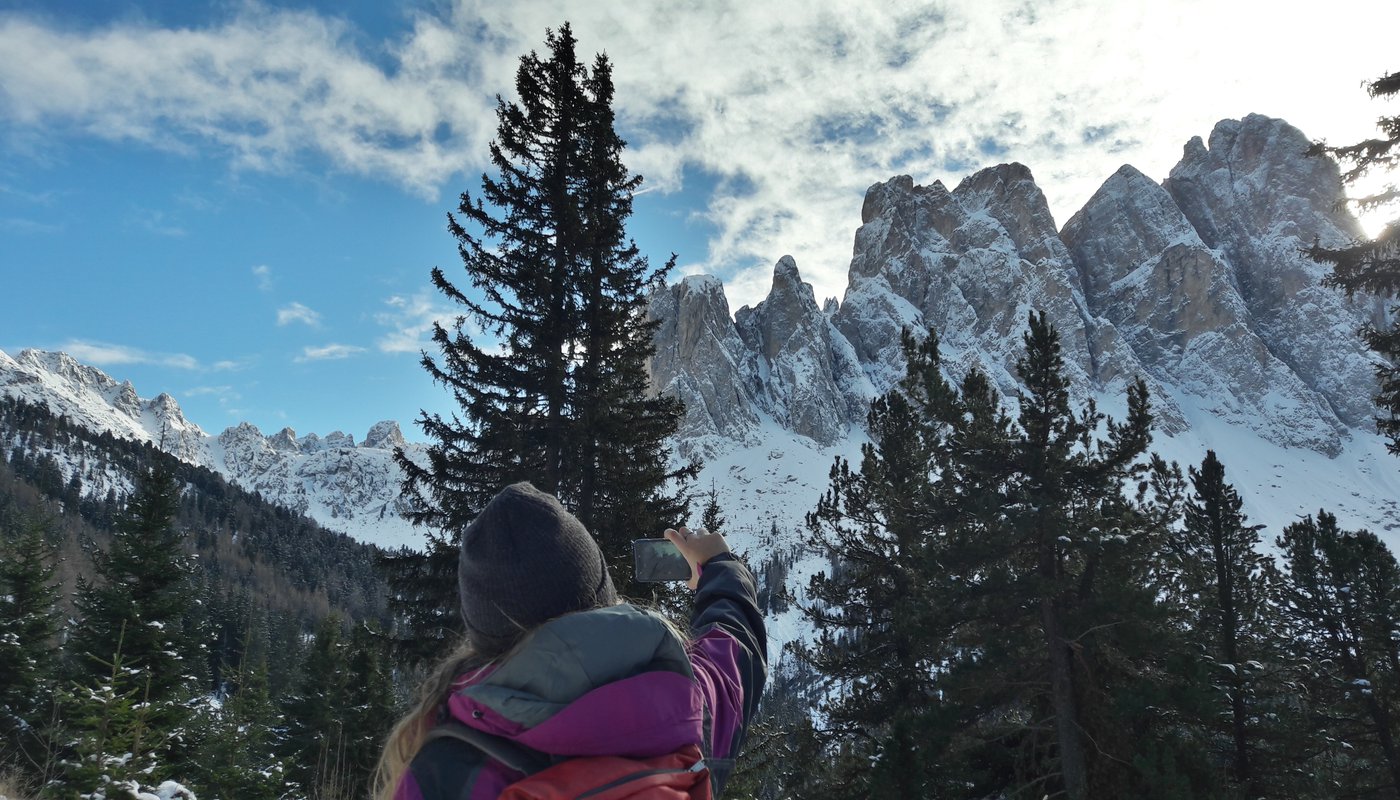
point(511, 755)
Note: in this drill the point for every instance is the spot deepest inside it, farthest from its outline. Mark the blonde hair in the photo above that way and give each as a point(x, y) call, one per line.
point(407, 735)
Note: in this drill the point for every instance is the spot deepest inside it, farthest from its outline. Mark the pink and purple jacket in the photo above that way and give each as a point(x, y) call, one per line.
point(611, 681)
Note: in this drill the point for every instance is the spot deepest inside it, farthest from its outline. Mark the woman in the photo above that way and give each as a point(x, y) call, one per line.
point(555, 668)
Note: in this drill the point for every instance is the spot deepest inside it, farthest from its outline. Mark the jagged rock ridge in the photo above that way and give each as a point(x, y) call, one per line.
point(348, 488)
point(1197, 285)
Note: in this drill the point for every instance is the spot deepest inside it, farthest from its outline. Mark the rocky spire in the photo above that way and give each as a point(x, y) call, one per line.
point(1253, 195)
point(1176, 302)
point(812, 382)
point(701, 359)
point(973, 262)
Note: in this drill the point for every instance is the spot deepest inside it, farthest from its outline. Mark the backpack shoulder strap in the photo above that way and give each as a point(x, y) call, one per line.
point(513, 756)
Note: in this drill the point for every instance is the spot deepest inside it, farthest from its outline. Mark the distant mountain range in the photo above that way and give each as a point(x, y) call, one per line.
point(1198, 284)
point(346, 487)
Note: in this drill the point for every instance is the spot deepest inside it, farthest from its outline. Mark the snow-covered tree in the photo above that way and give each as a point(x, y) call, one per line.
point(29, 624)
point(238, 749)
point(1342, 591)
point(115, 739)
point(139, 599)
point(128, 699)
point(1227, 588)
point(337, 719)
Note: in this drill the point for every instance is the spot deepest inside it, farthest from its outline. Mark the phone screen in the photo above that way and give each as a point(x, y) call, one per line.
point(656, 560)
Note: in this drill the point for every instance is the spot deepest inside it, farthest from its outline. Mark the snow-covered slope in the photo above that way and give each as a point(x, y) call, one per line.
point(1196, 284)
point(345, 487)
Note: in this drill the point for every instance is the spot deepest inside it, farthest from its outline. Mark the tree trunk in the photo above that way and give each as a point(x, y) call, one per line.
point(1380, 714)
point(1072, 766)
point(1229, 644)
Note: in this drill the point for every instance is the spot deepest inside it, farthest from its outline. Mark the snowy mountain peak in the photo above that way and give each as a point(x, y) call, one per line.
point(1257, 199)
point(384, 436)
point(1196, 285)
point(345, 488)
point(93, 399)
point(701, 360)
point(285, 440)
point(809, 374)
point(67, 369)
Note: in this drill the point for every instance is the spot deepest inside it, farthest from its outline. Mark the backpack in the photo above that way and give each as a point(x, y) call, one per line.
point(682, 775)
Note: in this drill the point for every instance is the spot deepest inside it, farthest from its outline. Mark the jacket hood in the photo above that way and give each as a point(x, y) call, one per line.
point(610, 681)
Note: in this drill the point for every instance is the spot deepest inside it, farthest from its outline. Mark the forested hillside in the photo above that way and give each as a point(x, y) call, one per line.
point(158, 622)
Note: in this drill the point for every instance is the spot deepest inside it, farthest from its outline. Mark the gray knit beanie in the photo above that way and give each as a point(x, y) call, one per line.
point(526, 560)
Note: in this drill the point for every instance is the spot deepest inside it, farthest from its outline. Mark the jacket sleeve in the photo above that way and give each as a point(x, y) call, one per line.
point(729, 654)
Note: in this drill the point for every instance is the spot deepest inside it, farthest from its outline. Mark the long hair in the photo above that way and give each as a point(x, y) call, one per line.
point(408, 733)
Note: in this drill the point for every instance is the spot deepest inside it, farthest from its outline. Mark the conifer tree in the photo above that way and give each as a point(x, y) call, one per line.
point(138, 604)
point(338, 717)
point(1374, 266)
point(315, 745)
point(1228, 587)
point(1342, 589)
point(712, 518)
point(116, 734)
point(369, 705)
point(240, 753)
point(547, 363)
point(29, 624)
point(1018, 564)
point(1068, 490)
point(879, 636)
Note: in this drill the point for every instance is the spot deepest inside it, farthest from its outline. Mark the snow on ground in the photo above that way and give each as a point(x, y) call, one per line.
point(779, 480)
point(1281, 485)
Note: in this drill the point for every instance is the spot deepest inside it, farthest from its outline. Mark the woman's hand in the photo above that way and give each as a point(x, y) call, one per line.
point(697, 547)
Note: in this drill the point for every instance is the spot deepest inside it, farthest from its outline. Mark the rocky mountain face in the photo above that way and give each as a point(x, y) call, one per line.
point(348, 488)
point(1197, 285)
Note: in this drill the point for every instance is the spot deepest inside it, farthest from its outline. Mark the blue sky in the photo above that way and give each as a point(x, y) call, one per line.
point(239, 202)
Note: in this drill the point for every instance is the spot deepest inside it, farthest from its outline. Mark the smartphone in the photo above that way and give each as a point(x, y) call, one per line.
point(656, 560)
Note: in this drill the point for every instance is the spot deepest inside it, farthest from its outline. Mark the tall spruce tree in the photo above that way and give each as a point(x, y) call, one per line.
point(29, 624)
point(1227, 588)
point(138, 604)
point(1342, 589)
point(878, 639)
point(547, 363)
point(993, 618)
point(1067, 491)
point(1374, 266)
point(340, 713)
point(315, 743)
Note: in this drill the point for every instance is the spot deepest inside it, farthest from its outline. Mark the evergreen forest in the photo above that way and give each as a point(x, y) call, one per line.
point(182, 632)
point(1017, 602)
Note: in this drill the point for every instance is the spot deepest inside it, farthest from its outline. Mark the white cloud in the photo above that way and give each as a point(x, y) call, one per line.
point(410, 321)
point(217, 391)
point(296, 312)
point(104, 354)
point(233, 364)
point(22, 225)
point(156, 222)
point(329, 352)
point(796, 106)
point(263, 273)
